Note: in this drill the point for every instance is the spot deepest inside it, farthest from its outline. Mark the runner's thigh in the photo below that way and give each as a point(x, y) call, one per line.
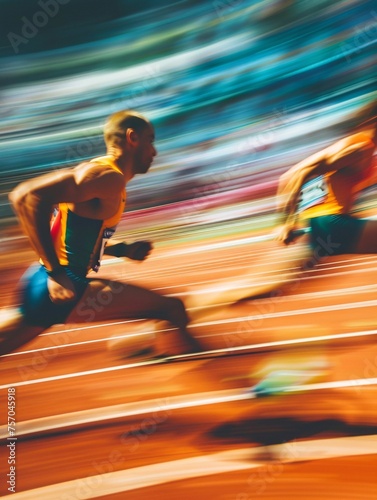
point(368, 238)
point(106, 300)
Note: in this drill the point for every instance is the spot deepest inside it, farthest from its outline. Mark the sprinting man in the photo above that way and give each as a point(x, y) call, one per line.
point(88, 201)
point(320, 192)
point(317, 194)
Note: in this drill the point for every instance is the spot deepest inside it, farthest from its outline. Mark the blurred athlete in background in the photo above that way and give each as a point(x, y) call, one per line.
point(314, 199)
point(321, 191)
point(317, 194)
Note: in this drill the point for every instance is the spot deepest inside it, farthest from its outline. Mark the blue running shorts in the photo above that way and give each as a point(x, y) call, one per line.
point(336, 234)
point(36, 306)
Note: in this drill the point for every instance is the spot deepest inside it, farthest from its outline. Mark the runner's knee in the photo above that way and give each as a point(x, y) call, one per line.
point(176, 312)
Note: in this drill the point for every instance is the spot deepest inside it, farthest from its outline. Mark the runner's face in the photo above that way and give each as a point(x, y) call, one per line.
point(145, 151)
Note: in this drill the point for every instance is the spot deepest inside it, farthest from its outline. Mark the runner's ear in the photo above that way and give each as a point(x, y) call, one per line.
point(132, 137)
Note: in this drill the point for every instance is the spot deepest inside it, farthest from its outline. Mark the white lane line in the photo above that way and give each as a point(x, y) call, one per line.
point(84, 342)
point(278, 343)
point(224, 462)
point(81, 374)
point(163, 405)
point(245, 347)
point(221, 321)
point(235, 276)
point(339, 273)
point(219, 245)
point(297, 276)
point(289, 298)
point(146, 332)
point(270, 257)
point(295, 312)
point(154, 406)
point(363, 259)
point(250, 348)
point(90, 327)
point(354, 290)
point(250, 287)
point(346, 264)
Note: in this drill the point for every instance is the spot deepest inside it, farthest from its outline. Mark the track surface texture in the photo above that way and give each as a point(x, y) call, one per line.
point(280, 404)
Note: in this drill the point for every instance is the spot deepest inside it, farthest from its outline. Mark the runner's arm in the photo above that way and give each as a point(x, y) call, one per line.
point(139, 250)
point(352, 153)
point(33, 201)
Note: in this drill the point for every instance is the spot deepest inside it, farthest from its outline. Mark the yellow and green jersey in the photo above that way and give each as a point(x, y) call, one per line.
point(333, 193)
point(80, 241)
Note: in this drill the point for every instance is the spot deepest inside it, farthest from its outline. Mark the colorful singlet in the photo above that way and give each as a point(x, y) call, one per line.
point(331, 194)
point(317, 198)
point(334, 192)
point(80, 241)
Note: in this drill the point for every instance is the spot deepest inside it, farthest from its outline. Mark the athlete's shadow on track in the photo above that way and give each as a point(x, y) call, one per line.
point(279, 430)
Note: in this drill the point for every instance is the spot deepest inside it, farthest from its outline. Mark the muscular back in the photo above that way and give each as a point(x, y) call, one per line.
point(108, 192)
point(81, 229)
point(92, 191)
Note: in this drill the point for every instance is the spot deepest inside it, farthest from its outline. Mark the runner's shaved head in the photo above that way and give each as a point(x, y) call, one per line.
point(119, 122)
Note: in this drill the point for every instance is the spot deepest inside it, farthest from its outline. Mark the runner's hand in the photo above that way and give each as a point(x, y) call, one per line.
point(61, 288)
point(287, 234)
point(139, 250)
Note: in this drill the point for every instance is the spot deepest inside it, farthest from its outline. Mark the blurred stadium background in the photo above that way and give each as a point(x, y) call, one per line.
point(238, 91)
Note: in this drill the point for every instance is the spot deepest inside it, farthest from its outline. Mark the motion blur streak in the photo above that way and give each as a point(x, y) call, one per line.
point(238, 91)
point(217, 463)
